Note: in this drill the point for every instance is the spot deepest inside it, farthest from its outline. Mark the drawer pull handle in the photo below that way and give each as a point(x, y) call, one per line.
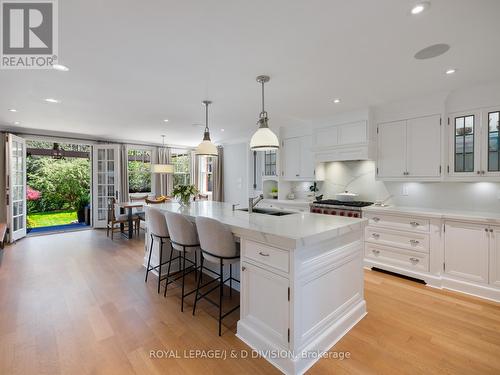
point(375, 235)
point(376, 219)
point(414, 223)
point(414, 242)
point(243, 268)
point(414, 260)
point(376, 252)
point(263, 254)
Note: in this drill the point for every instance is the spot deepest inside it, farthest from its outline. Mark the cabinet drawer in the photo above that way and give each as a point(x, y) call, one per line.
point(266, 255)
point(407, 240)
point(397, 222)
point(411, 260)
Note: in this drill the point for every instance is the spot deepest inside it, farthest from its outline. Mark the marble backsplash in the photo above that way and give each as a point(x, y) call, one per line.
point(359, 177)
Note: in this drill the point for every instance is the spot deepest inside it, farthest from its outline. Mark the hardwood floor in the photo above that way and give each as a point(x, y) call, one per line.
point(76, 303)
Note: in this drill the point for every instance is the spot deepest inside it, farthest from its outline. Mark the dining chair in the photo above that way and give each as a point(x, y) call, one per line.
point(120, 219)
point(218, 246)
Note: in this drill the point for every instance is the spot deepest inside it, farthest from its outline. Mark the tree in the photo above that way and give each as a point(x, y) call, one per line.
point(63, 183)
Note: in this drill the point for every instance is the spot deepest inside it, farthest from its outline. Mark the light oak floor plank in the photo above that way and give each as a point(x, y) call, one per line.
point(76, 303)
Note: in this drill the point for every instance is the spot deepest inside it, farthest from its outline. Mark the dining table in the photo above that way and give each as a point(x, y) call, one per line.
point(129, 208)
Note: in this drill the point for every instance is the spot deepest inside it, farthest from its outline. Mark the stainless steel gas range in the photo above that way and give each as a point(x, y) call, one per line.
point(340, 208)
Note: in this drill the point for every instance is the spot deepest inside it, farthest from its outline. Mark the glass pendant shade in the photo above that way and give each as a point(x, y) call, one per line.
point(206, 147)
point(162, 168)
point(264, 140)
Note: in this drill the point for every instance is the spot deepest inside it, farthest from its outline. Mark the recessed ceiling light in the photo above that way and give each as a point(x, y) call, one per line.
point(61, 68)
point(336, 101)
point(12, 110)
point(222, 130)
point(451, 71)
point(420, 7)
point(52, 100)
point(166, 120)
point(16, 122)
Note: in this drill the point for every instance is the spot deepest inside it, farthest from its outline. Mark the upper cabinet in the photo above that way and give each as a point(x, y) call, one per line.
point(474, 144)
point(410, 149)
point(297, 158)
point(350, 141)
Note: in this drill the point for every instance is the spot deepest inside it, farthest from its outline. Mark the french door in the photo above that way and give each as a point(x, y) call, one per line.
point(16, 186)
point(106, 181)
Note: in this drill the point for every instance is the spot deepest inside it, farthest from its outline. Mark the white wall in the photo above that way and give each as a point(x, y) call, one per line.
point(236, 173)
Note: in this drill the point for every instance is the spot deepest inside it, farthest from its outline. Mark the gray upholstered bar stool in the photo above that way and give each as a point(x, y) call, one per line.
point(218, 246)
point(158, 230)
point(184, 238)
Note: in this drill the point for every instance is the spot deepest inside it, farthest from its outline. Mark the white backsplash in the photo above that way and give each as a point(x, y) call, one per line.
point(359, 177)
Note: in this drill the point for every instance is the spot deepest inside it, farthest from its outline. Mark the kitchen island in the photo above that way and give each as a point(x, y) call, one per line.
point(301, 280)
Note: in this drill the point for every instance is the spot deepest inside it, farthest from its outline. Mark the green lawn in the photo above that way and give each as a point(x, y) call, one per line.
point(48, 219)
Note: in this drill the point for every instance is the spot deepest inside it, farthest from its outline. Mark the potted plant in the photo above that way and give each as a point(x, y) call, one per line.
point(274, 193)
point(184, 193)
point(81, 203)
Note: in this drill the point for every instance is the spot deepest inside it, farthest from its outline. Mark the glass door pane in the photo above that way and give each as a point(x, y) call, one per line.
point(16, 188)
point(464, 143)
point(105, 181)
point(493, 142)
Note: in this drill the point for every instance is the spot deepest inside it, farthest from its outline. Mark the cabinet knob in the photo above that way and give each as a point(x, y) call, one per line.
point(297, 175)
point(491, 230)
point(478, 172)
point(486, 229)
point(376, 252)
point(376, 219)
point(375, 235)
point(243, 268)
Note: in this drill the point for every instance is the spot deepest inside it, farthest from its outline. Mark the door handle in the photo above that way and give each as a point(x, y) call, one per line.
point(414, 223)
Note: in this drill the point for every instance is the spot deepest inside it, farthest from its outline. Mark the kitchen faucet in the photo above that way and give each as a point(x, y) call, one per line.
point(252, 202)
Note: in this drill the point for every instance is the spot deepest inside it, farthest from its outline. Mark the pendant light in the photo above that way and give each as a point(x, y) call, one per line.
point(264, 139)
point(162, 168)
point(206, 147)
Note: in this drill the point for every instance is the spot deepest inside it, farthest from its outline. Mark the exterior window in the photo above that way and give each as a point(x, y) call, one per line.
point(206, 175)
point(182, 167)
point(464, 143)
point(270, 163)
point(493, 142)
point(139, 171)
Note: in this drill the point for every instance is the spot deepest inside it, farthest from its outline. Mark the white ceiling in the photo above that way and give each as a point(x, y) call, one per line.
point(134, 63)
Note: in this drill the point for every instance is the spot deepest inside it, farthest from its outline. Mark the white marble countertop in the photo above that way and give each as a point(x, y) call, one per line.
point(439, 213)
point(288, 231)
point(290, 202)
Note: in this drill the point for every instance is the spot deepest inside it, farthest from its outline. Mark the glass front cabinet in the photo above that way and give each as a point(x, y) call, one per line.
point(474, 144)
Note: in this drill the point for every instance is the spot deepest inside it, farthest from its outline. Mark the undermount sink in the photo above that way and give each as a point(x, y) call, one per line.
point(268, 212)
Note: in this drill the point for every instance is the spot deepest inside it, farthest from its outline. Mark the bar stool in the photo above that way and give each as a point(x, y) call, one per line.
point(183, 238)
point(158, 229)
point(218, 246)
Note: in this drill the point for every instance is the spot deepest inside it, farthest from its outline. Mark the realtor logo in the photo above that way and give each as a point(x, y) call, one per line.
point(29, 34)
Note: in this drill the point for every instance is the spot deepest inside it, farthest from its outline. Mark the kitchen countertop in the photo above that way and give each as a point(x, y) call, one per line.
point(289, 231)
point(439, 213)
point(290, 202)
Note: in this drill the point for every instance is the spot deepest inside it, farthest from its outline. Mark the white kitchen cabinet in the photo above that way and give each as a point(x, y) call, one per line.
point(264, 302)
point(410, 149)
point(466, 254)
point(495, 256)
point(423, 147)
point(298, 161)
point(391, 161)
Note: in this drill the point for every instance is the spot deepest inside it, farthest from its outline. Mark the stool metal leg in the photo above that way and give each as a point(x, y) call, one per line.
point(230, 279)
point(160, 263)
point(198, 286)
point(183, 277)
point(221, 286)
point(168, 270)
point(149, 259)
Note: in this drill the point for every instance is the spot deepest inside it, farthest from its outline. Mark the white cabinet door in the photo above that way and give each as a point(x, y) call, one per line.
point(465, 144)
point(391, 160)
point(491, 142)
point(495, 256)
point(264, 303)
point(423, 147)
point(306, 158)
point(466, 251)
point(353, 133)
point(16, 187)
point(291, 158)
point(105, 180)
